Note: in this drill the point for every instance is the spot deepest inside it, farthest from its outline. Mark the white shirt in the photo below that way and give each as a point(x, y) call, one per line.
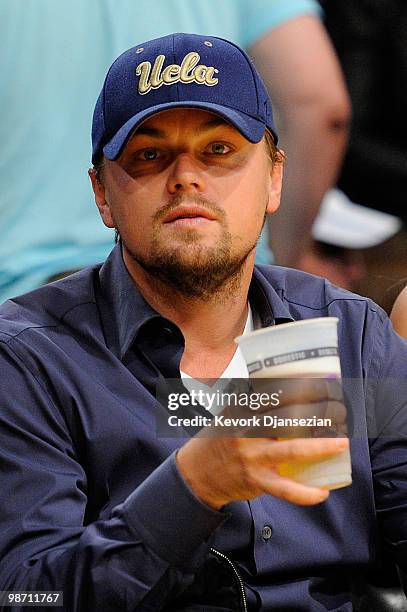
point(236, 368)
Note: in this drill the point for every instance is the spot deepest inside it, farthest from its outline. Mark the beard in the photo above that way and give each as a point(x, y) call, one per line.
point(193, 269)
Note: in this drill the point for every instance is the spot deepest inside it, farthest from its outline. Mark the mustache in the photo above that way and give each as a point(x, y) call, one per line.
point(179, 199)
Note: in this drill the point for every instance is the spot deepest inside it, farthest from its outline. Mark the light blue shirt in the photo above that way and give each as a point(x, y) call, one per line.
point(54, 58)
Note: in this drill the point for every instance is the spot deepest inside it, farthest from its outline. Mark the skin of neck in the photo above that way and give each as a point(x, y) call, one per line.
point(209, 326)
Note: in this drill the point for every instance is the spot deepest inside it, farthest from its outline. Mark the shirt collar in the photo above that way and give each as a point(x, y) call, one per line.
point(267, 299)
point(124, 311)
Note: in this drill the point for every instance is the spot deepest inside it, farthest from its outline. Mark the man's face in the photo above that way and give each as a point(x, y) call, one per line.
point(188, 196)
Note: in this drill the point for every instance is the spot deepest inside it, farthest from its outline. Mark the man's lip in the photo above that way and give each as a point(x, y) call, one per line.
point(188, 212)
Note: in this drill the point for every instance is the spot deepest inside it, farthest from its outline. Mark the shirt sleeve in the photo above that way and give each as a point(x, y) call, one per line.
point(259, 16)
point(388, 447)
point(137, 559)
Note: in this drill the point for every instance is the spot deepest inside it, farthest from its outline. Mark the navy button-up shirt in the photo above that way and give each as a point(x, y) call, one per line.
point(93, 503)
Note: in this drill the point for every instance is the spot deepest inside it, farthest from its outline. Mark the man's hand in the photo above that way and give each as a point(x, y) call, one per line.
point(222, 470)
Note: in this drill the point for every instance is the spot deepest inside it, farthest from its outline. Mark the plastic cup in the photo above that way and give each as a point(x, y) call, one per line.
point(302, 349)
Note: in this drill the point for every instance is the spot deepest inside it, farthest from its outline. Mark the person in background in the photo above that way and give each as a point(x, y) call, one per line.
point(370, 37)
point(312, 113)
point(54, 56)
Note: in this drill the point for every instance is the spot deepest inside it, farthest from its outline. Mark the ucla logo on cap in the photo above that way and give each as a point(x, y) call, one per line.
point(190, 71)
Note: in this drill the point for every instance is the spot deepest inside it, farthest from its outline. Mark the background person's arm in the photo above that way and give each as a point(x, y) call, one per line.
point(300, 68)
point(399, 314)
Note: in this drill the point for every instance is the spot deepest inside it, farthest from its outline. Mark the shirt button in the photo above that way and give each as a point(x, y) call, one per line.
point(266, 532)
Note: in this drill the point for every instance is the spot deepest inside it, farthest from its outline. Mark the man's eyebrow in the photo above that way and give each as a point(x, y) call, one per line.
point(204, 127)
point(213, 123)
point(149, 131)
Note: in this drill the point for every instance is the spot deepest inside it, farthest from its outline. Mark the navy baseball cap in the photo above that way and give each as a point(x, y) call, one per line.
point(179, 71)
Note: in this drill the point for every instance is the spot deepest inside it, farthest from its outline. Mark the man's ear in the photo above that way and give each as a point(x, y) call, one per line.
point(276, 182)
point(100, 199)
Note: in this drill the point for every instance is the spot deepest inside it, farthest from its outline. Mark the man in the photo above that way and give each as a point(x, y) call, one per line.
point(41, 238)
point(185, 168)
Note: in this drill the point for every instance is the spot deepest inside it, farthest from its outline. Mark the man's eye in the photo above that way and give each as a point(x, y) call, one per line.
point(219, 148)
point(149, 154)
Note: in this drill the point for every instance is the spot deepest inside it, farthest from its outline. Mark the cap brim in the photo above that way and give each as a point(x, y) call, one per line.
point(251, 128)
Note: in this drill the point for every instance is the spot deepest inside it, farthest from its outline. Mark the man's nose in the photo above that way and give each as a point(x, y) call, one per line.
point(186, 175)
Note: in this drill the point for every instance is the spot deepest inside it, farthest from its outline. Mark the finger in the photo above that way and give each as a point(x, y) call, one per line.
point(294, 492)
point(336, 411)
point(299, 421)
point(302, 411)
point(309, 449)
point(293, 390)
